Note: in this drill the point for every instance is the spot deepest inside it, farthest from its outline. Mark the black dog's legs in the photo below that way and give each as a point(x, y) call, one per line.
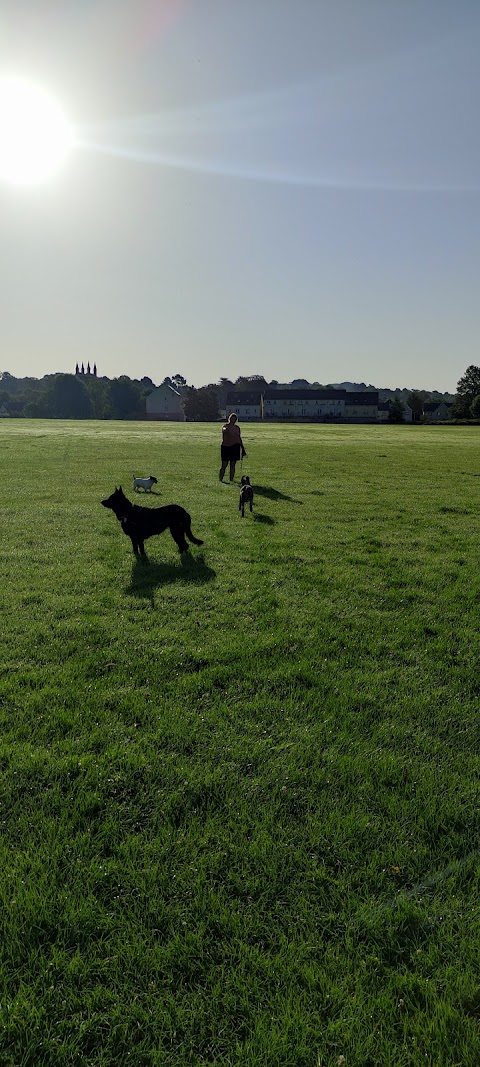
point(138, 548)
point(179, 539)
point(251, 505)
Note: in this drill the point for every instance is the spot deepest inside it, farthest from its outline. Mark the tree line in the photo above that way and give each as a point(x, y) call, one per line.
point(87, 396)
point(72, 396)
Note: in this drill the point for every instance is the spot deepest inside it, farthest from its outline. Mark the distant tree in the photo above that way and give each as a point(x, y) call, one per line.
point(88, 368)
point(461, 407)
point(95, 370)
point(82, 370)
point(415, 403)
point(273, 384)
point(36, 408)
point(31, 390)
point(468, 387)
point(253, 381)
point(223, 388)
point(397, 410)
point(76, 368)
point(470, 382)
point(475, 407)
point(178, 380)
point(201, 405)
point(67, 398)
point(126, 400)
point(99, 392)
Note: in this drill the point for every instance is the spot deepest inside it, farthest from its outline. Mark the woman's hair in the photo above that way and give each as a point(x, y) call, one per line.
point(232, 416)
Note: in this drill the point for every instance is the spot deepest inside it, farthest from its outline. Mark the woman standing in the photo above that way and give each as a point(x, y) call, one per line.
point(232, 446)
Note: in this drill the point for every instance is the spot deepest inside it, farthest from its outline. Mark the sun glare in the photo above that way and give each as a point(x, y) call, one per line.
point(35, 136)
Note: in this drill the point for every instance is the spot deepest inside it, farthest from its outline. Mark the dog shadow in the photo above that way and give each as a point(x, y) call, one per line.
point(266, 519)
point(148, 576)
point(273, 494)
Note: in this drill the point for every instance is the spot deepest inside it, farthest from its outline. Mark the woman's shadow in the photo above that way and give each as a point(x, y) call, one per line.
point(147, 576)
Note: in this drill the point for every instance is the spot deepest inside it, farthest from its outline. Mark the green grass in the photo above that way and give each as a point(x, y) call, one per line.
point(239, 791)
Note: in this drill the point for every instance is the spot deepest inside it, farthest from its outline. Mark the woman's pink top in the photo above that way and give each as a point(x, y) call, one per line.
point(231, 434)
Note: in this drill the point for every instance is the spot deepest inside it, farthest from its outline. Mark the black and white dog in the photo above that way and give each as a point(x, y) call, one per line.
point(246, 494)
point(144, 483)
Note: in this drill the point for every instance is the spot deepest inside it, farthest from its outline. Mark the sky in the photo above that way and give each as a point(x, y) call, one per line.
point(279, 187)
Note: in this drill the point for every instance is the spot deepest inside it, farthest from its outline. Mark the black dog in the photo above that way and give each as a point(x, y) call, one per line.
point(246, 494)
point(138, 523)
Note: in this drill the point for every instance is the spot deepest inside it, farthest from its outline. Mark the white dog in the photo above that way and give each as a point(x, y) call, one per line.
point(144, 483)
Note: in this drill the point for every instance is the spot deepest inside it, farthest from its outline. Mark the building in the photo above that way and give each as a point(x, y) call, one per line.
point(304, 404)
point(247, 405)
point(436, 410)
point(384, 410)
point(165, 404)
point(322, 405)
point(361, 407)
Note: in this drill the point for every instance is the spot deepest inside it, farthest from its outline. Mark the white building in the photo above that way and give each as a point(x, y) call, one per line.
point(304, 404)
point(361, 407)
point(165, 403)
point(247, 405)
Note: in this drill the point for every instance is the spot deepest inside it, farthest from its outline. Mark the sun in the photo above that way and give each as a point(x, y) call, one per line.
point(35, 136)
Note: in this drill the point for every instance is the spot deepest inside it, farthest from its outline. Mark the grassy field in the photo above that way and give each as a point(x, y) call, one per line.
point(240, 791)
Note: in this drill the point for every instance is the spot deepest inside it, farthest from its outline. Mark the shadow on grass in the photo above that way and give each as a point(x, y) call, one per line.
point(273, 494)
point(148, 576)
point(266, 519)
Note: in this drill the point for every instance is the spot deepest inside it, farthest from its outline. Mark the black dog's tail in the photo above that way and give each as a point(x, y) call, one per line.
point(194, 540)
